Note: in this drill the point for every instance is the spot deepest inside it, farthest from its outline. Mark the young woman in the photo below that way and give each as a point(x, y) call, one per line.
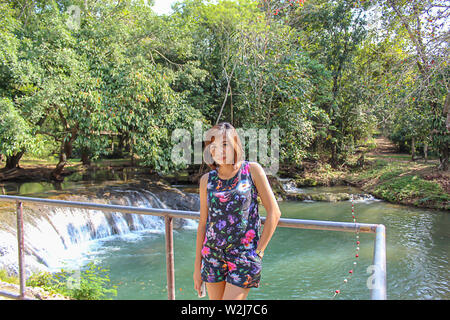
point(230, 245)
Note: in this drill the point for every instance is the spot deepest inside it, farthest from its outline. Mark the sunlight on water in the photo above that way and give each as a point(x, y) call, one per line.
point(303, 264)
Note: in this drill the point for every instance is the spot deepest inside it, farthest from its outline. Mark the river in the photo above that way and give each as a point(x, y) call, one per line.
point(298, 264)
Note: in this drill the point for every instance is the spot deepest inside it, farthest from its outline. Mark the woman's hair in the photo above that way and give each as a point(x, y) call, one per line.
point(224, 129)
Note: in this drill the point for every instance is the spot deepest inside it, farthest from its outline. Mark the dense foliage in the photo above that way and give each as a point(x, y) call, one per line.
point(80, 76)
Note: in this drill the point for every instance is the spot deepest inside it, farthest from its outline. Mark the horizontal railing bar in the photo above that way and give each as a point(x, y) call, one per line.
point(99, 206)
point(379, 257)
point(283, 222)
point(13, 296)
point(326, 225)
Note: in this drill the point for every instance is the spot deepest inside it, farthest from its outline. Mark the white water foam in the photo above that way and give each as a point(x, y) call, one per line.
point(63, 237)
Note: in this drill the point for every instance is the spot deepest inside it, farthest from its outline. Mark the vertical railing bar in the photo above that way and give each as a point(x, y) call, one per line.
point(168, 221)
point(379, 290)
point(20, 246)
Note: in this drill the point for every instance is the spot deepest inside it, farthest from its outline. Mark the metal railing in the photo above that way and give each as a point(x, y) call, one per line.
point(378, 291)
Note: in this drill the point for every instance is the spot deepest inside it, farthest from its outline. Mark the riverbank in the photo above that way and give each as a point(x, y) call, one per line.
point(386, 175)
point(383, 173)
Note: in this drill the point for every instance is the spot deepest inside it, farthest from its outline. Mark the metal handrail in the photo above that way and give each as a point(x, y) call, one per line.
point(378, 291)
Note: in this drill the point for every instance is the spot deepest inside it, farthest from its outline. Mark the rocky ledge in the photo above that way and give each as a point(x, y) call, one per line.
point(327, 196)
point(33, 293)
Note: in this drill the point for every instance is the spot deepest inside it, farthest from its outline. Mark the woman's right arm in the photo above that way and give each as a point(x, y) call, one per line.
point(201, 231)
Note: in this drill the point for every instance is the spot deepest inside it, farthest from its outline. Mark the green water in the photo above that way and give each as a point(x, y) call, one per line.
point(303, 264)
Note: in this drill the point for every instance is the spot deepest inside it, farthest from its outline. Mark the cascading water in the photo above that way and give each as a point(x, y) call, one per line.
point(289, 185)
point(54, 235)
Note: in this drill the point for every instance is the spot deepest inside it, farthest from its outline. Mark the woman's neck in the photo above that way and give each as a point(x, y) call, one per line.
point(227, 170)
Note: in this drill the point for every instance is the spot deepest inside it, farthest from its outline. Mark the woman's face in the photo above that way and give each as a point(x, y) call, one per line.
point(222, 150)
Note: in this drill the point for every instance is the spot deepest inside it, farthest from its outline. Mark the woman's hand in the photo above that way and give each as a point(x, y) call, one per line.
point(197, 281)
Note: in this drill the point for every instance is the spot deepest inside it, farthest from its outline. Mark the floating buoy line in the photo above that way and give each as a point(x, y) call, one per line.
point(356, 256)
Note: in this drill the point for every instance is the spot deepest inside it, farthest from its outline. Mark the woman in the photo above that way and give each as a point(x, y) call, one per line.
point(230, 245)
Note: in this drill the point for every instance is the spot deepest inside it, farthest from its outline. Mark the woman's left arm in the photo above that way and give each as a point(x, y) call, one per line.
point(269, 202)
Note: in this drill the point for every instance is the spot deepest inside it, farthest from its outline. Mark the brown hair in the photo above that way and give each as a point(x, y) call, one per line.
point(222, 128)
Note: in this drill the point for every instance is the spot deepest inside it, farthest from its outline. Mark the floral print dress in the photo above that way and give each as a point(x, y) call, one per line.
point(233, 230)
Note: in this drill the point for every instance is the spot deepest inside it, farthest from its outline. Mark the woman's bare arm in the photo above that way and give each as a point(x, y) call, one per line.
point(201, 230)
point(269, 202)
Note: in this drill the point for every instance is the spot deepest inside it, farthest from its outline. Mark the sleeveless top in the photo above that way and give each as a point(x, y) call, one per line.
point(233, 223)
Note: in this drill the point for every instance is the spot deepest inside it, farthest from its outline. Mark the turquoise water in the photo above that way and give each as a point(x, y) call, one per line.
point(301, 264)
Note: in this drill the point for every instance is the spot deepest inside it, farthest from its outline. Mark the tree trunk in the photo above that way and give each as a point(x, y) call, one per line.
point(127, 144)
point(231, 107)
point(334, 160)
point(65, 153)
point(443, 157)
point(425, 151)
point(12, 162)
point(118, 152)
point(56, 173)
point(85, 157)
point(413, 148)
point(131, 140)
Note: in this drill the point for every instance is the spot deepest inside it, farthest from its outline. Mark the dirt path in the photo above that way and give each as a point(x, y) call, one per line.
point(388, 151)
point(384, 146)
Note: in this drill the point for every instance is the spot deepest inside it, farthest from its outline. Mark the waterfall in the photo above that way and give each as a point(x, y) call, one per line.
point(53, 234)
point(289, 185)
point(364, 198)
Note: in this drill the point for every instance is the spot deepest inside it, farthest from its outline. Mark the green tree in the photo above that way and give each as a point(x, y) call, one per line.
point(331, 32)
point(424, 26)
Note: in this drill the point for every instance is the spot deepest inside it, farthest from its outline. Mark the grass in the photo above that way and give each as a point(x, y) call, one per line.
point(401, 182)
point(6, 278)
point(28, 161)
point(411, 187)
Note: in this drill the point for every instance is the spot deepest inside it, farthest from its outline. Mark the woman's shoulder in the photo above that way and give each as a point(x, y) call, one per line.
point(256, 170)
point(204, 178)
point(254, 166)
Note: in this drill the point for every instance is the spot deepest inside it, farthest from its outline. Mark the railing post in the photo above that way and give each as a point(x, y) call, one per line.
point(169, 258)
point(379, 291)
point(21, 248)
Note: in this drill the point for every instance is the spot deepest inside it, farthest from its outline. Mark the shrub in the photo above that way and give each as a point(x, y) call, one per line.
point(89, 284)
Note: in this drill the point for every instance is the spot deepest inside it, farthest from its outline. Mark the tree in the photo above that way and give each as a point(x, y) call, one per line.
point(425, 26)
point(331, 32)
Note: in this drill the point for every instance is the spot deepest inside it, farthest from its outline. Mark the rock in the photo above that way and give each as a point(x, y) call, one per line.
point(32, 292)
point(327, 196)
point(306, 182)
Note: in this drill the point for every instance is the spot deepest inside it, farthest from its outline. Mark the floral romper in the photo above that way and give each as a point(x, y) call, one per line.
point(233, 230)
